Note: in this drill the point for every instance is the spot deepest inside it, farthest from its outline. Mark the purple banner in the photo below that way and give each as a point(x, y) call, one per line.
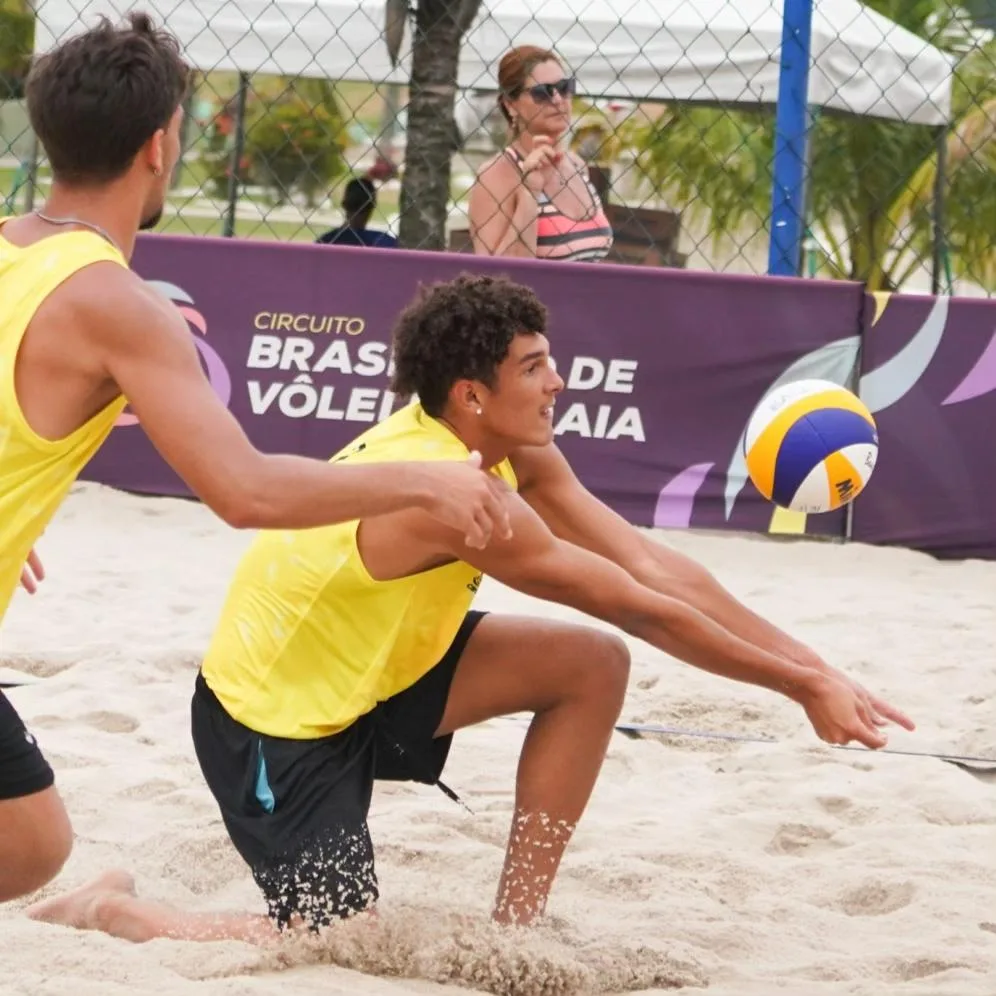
point(929, 377)
point(663, 367)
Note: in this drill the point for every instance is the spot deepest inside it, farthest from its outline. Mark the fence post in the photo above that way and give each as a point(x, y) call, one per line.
point(788, 191)
point(939, 249)
point(31, 181)
point(235, 164)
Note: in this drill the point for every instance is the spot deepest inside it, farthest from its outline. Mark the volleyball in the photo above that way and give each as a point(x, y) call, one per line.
point(811, 446)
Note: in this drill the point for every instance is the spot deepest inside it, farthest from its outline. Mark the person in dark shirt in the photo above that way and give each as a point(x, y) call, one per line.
point(358, 202)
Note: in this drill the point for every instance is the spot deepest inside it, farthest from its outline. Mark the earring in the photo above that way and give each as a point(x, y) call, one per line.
point(479, 410)
point(156, 171)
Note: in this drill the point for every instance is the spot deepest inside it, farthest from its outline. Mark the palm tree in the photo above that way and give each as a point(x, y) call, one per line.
point(871, 182)
point(439, 27)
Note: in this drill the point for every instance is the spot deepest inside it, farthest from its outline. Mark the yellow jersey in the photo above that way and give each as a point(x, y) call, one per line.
point(308, 641)
point(36, 473)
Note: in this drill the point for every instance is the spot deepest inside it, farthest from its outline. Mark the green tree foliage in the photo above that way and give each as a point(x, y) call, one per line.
point(17, 35)
point(871, 181)
point(295, 142)
point(295, 136)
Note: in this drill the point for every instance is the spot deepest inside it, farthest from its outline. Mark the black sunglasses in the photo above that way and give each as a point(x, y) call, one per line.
point(543, 93)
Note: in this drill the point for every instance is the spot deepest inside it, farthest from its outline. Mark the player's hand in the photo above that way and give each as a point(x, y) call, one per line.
point(538, 166)
point(33, 573)
point(880, 712)
point(468, 499)
point(840, 711)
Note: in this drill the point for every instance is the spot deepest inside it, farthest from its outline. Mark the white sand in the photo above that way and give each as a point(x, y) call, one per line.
point(744, 868)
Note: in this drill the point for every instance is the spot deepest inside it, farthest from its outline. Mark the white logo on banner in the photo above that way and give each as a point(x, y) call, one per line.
point(303, 357)
point(602, 421)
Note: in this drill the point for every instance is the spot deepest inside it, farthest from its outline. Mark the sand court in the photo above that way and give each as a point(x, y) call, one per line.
point(701, 865)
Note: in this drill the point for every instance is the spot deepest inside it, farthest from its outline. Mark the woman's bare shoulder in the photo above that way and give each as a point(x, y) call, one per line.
point(500, 164)
point(498, 177)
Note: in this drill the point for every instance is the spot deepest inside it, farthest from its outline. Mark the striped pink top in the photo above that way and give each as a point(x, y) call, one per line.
point(559, 236)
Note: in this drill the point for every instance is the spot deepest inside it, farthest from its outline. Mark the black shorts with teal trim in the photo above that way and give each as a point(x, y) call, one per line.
point(296, 810)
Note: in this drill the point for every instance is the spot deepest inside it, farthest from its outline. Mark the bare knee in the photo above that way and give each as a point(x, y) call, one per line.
point(34, 869)
point(605, 673)
point(49, 850)
point(36, 839)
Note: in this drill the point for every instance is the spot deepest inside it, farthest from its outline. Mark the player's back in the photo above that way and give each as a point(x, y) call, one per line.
point(36, 473)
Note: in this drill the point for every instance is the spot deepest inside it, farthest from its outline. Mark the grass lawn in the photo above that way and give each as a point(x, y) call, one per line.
point(202, 215)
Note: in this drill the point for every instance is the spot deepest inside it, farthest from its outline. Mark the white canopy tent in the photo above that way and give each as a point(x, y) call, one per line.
point(674, 50)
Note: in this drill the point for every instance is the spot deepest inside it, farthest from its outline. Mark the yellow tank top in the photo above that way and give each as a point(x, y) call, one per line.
point(36, 473)
point(308, 641)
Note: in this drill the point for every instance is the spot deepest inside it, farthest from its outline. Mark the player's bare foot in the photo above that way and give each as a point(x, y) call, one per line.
point(76, 908)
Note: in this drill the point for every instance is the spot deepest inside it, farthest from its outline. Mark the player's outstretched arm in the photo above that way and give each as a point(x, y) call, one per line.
point(538, 563)
point(574, 514)
point(146, 348)
point(550, 486)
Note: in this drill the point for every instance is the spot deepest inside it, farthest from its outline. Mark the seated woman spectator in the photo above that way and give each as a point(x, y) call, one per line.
point(358, 203)
point(535, 198)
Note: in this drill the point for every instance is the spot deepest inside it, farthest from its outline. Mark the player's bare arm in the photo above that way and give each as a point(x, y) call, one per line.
point(550, 486)
point(146, 349)
point(538, 563)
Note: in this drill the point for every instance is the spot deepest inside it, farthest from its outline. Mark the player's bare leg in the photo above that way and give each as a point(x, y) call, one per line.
point(573, 679)
point(109, 904)
point(36, 838)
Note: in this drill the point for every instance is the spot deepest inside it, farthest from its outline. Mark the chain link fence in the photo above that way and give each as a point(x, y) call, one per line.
point(673, 118)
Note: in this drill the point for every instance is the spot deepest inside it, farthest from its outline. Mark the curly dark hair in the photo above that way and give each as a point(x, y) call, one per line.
point(460, 329)
point(97, 98)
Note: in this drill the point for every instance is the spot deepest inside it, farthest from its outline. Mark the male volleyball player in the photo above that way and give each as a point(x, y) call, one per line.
point(80, 333)
point(350, 653)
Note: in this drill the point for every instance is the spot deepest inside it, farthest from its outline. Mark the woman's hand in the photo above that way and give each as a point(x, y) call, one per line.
point(540, 164)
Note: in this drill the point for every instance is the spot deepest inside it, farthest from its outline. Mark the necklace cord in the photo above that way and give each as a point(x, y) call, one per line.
point(79, 221)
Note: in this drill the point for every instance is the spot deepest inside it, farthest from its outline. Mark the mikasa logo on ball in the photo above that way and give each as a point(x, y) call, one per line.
point(811, 446)
point(845, 490)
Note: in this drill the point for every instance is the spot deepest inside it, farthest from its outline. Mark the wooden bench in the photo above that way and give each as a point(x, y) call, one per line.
point(644, 236)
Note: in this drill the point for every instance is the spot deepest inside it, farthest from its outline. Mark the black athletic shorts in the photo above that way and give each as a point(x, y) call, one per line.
point(296, 810)
point(23, 768)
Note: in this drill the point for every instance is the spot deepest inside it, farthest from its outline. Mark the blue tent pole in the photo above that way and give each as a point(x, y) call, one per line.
point(788, 188)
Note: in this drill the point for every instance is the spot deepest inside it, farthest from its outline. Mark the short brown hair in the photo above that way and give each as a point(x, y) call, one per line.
point(514, 69)
point(97, 98)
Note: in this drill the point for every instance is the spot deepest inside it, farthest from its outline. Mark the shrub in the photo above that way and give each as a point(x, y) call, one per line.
point(292, 145)
point(17, 30)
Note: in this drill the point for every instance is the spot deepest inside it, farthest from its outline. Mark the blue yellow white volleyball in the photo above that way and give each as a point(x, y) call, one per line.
point(811, 446)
